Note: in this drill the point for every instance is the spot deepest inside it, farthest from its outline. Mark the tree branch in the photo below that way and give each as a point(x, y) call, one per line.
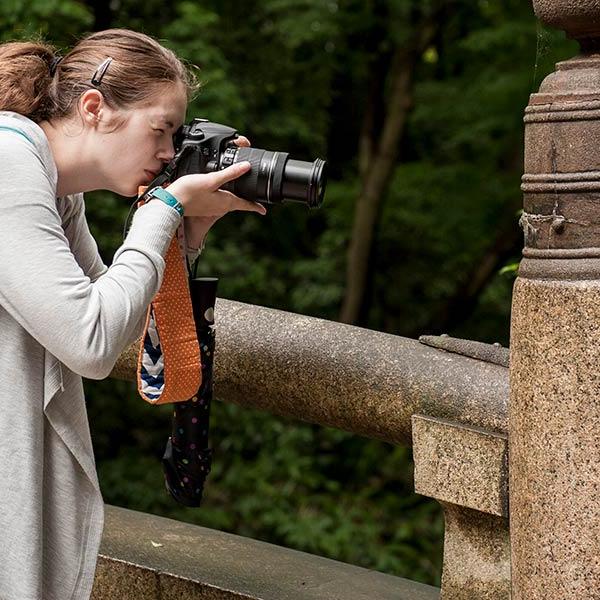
point(377, 168)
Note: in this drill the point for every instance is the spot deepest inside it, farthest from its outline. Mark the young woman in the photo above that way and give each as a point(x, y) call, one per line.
point(102, 117)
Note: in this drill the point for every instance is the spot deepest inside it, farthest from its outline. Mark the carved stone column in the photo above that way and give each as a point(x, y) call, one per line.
point(554, 422)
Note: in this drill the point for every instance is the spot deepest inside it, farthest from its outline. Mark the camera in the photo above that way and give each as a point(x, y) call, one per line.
point(203, 147)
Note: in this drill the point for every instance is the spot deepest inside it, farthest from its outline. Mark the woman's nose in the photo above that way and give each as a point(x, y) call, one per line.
point(166, 154)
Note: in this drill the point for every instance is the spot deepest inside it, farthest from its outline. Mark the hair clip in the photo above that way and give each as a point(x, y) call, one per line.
point(54, 64)
point(99, 73)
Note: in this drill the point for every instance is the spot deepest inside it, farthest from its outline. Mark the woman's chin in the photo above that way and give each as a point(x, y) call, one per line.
point(129, 191)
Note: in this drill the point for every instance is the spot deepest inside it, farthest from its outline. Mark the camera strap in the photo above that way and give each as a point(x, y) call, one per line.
point(169, 366)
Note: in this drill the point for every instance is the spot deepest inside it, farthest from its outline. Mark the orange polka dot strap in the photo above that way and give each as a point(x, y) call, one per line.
point(169, 368)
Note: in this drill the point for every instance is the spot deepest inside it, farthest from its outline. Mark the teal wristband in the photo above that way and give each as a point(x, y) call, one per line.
point(167, 198)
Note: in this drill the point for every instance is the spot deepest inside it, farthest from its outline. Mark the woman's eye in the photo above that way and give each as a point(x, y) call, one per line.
point(161, 131)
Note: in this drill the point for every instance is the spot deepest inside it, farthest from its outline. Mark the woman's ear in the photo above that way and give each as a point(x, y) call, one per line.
point(96, 113)
point(91, 106)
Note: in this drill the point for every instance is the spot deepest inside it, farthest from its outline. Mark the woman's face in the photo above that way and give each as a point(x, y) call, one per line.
point(131, 154)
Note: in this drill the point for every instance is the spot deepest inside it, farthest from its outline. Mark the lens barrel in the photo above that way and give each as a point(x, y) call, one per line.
point(276, 178)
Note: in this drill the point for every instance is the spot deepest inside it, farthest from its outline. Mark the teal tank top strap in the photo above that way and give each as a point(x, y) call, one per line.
point(6, 128)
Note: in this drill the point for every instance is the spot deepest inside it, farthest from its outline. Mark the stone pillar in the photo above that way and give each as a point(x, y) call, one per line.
point(554, 418)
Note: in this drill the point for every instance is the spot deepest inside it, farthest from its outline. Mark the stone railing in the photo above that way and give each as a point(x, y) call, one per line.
point(145, 557)
point(451, 407)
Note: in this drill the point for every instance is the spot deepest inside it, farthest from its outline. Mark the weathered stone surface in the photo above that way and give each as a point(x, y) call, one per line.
point(476, 556)
point(465, 469)
point(117, 579)
point(461, 465)
point(555, 440)
point(579, 18)
point(152, 558)
point(492, 353)
point(554, 407)
point(355, 379)
point(561, 183)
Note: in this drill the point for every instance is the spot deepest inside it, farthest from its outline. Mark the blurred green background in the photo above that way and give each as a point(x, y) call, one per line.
point(417, 106)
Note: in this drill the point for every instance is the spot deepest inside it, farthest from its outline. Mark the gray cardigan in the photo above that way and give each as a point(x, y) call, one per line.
point(63, 315)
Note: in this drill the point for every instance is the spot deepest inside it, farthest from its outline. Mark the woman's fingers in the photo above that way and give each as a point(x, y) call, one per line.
point(202, 195)
point(242, 140)
point(237, 203)
point(257, 207)
point(220, 178)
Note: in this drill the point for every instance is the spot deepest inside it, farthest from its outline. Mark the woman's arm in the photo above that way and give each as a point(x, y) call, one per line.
point(84, 323)
point(85, 249)
point(83, 245)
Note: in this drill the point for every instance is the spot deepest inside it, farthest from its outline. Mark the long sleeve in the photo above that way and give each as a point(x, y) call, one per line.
point(82, 243)
point(85, 249)
point(84, 323)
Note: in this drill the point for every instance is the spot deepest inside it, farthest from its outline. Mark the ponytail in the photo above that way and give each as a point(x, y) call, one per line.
point(25, 79)
point(33, 84)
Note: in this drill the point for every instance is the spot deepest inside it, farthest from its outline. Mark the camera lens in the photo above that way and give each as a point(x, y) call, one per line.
point(275, 177)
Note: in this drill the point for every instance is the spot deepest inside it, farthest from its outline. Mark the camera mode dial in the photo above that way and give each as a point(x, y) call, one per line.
point(228, 157)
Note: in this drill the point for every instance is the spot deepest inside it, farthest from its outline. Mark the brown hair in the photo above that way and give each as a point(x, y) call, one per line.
point(140, 67)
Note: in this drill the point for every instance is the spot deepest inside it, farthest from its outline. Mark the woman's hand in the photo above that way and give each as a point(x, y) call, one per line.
point(204, 203)
point(200, 195)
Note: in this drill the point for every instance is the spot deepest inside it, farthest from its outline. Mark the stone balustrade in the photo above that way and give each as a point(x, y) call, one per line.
point(447, 398)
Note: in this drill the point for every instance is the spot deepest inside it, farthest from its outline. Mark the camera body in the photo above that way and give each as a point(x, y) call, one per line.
point(204, 147)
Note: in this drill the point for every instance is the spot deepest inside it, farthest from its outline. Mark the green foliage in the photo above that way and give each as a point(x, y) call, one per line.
point(428, 222)
point(106, 214)
point(61, 20)
point(510, 269)
point(298, 268)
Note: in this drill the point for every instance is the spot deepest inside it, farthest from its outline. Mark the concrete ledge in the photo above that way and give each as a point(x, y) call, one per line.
point(150, 557)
